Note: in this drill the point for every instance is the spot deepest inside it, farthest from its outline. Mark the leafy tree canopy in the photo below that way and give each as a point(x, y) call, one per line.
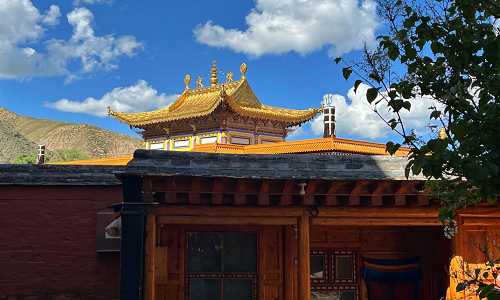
point(449, 51)
point(23, 158)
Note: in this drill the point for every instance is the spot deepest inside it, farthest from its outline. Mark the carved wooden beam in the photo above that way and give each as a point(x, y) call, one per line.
point(239, 196)
point(354, 196)
point(263, 197)
point(217, 191)
point(286, 198)
point(308, 198)
point(194, 195)
point(331, 198)
point(376, 198)
point(170, 194)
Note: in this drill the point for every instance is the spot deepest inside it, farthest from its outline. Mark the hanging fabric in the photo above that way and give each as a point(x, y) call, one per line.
point(392, 279)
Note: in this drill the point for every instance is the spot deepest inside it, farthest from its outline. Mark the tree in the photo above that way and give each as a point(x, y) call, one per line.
point(23, 158)
point(450, 51)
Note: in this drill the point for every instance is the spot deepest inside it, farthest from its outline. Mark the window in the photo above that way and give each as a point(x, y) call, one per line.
point(240, 140)
point(334, 275)
point(181, 143)
point(221, 266)
point(157, 145)
point(208, 139)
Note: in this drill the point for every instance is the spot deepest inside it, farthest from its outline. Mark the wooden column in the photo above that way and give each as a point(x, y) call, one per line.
point(304, 260)
point(149, 260)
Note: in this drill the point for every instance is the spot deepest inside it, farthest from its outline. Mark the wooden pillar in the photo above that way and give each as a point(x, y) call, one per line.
point(304, 260)
point(132, 240)
point(149, 259)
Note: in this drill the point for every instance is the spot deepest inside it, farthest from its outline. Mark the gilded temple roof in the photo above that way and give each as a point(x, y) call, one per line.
point(202, 101)
point(321, 145)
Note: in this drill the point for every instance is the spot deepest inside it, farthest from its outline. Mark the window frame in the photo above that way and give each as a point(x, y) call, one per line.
point(333, 283)
point(222, 275)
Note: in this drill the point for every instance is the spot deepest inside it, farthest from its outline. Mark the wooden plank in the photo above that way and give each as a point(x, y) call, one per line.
point(354, 199)
point(288, 262)
point(263, 197)
point(227, 220)
point(194, 195)
point(304, 262)
point(331, 200)
point(360, 221)
point(239, 196)
point(286, 198)
point(149, 258)
point(217, 191)
point(324, 211)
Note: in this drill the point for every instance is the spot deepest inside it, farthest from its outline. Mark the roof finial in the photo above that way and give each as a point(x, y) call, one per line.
point(243, 70)
point(198, 82)
point(214, 78)
point(229, 77)
point(187, 80)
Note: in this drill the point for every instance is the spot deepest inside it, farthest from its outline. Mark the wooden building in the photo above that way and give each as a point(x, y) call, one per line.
point(241, 226)
point(227, 113)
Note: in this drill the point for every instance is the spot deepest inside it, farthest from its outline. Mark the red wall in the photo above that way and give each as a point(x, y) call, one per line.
point(48, 243)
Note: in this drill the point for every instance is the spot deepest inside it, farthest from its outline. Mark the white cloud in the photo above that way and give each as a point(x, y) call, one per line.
point(21, 25)
point(79, 2)
point(51, 16)
point(135, 98)
point(357, 118)
point(279, 26)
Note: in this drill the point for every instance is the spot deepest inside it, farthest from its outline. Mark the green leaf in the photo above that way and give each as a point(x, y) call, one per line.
point(346, 72)
point(391, 147)
point(337, 60)
point(371, 94)
point(356, 84)
point(461, 286)
point(435, 114)
point(407, 105)
point(435, 47)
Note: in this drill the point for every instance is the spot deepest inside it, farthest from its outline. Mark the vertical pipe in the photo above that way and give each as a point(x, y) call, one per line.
point(304, 260)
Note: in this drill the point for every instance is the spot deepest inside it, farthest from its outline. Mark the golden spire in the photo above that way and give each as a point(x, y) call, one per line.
point(243, 70)
point(442, 133)
point(229, 77)
point(214, 78)
point(198, 82)
point(187, 80)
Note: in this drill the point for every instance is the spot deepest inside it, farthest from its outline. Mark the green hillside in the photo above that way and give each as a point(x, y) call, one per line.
point(21, 134)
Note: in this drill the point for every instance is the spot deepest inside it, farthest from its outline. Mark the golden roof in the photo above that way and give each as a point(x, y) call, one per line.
point(114, 161)
point(204, 100)
point(330, 144)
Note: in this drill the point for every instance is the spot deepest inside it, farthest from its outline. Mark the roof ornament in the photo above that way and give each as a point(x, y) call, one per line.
point(214, 78)
point(328, 98)
point(187, 80)
point(198, 82)
point(229, 77)
point(243, 70)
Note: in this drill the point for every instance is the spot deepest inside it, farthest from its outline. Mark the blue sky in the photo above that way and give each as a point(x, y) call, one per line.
point(68, 60)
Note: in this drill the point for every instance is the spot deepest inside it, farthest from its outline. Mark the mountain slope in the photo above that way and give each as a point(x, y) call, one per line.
point(21, 134)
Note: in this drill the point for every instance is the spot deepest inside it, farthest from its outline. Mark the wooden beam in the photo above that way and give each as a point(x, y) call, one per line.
point(239, 196)
point(376, 197)
point(217, 191)
point(294, 211)
point(331, 198)
point(308, 198)
point(170, 195)
point(286, 198)
point(149, 258)
point(360, 221)
point(354, 198)
point(194, 195)
point(263, 197)
point(182, 220)
point(304, 271)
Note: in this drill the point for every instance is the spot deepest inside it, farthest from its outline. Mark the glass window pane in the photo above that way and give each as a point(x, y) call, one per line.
point(344, 266)
point(205, 289)
point(332, 295)
point(237, 289)
point(317, 266)
point(204, 252)
point(240, 252)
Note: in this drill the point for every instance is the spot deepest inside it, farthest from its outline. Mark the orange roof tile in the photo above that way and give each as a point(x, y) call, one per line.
point(303, 147)
point(116, 161)
point(295, 147)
